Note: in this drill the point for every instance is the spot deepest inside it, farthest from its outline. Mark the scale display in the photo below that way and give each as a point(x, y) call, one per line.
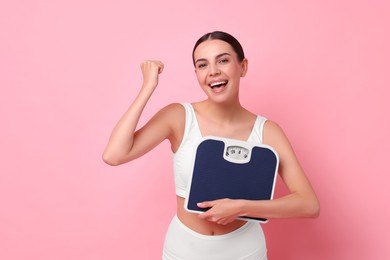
point(237, 152)
point(228, 168)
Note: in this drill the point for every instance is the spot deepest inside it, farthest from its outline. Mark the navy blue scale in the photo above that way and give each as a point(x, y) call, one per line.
point(214, 177)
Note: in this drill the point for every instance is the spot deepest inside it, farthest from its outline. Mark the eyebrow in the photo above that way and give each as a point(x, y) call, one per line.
point(216, 57)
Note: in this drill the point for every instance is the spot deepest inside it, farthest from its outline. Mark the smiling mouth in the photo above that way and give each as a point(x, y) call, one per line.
point(218, 84)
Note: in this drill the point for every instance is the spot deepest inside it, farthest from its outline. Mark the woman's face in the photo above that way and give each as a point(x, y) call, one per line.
point(218, 69)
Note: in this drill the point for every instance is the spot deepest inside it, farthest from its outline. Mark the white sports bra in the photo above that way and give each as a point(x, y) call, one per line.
point(182, 159)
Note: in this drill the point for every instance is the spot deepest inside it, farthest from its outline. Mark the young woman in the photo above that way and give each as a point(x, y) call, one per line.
point(215, 234)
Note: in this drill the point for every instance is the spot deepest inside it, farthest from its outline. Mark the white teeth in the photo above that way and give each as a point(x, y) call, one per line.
point(217, 83)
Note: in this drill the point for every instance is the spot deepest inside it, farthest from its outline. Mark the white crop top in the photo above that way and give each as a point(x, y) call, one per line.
point(182, 159)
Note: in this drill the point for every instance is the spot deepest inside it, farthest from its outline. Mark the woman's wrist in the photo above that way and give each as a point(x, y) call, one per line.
point(242, 207)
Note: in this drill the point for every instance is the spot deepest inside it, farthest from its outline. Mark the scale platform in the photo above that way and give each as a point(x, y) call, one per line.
point(228, 168)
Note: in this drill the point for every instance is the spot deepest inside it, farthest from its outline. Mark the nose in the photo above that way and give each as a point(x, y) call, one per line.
point(214, 70)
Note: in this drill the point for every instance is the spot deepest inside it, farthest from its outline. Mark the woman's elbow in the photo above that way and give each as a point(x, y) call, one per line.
point(313, 209)
point(110, 160)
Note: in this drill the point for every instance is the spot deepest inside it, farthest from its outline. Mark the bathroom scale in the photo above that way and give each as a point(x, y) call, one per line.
point(234, 169)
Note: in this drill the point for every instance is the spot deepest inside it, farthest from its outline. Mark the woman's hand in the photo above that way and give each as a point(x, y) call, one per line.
point(126, 143)
point(221, 211)
point(150, 71)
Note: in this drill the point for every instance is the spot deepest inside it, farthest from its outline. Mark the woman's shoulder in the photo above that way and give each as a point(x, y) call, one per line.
point(172, 114)
point(274, 135)
point(272, 128)
point(173, 109)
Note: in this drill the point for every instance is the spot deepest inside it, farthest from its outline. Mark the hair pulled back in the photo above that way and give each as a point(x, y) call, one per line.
point(223, 36)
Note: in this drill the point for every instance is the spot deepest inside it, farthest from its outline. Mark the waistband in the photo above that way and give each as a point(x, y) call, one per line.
point(233, 233)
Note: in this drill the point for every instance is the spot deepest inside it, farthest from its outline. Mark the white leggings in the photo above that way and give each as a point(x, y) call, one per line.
point(245, 243)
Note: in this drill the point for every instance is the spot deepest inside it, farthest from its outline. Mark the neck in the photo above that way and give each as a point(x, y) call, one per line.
point(223, 111)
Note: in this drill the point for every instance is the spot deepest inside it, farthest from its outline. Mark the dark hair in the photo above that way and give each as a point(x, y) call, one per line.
point(223, 36)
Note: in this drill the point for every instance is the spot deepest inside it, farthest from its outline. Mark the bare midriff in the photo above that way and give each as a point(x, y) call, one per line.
point(205, 227)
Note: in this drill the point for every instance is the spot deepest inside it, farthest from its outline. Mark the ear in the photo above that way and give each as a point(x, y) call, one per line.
point(244, 66)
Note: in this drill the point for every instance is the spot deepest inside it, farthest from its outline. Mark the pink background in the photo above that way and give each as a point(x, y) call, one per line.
point(69, 69)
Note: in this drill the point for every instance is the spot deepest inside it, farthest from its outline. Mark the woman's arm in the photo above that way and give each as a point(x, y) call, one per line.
point(300, 202)
point(125, 142)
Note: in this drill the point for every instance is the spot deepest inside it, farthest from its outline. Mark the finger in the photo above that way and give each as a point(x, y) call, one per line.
point(225, 221)
point(202, 204)
point(156, 64)
point(212, 219)
point(160, 67)
point(204, 215)
point(208, 216)
point(221, 222)
point(206, 204)
point(153, 63)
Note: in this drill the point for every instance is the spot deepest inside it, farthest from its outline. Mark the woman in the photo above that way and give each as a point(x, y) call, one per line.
point(215, 234)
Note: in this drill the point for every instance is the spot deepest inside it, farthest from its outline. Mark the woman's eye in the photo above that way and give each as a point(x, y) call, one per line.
point(222, 61)
point(201, 65)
